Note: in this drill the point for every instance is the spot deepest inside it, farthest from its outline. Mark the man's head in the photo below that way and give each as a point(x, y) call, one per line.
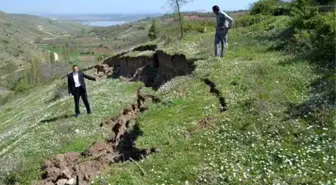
point(75, 68)
point(215, 9)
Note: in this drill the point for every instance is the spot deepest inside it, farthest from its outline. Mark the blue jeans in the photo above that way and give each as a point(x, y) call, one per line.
point(220, 43)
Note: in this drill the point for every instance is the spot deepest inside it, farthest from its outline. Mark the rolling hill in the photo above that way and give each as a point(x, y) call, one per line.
point(20, 35)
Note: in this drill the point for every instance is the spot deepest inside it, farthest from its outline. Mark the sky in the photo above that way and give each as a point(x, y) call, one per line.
point(112, 6)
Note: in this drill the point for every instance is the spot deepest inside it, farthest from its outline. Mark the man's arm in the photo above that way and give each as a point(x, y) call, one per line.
point(69, 85)
point(89, 77)
point(229, 19)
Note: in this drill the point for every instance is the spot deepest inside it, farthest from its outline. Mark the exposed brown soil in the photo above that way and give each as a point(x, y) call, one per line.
point(202, 124)
point(81, 168)
point(205, 122)
point(150, 47)
point(87, 58)
point(102, 50)
point(103, 70)
point(153, 70)
point(88, 40)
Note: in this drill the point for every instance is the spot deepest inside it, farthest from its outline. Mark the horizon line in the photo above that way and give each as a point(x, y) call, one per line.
point(112, 13)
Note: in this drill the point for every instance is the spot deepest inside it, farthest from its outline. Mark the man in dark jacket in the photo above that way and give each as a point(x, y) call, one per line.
point(77, 88)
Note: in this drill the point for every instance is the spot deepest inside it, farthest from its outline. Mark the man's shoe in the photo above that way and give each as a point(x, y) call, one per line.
point(89, 112)
point(77, 115)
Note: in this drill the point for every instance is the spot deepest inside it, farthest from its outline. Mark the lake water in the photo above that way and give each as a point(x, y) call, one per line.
point(104, 23)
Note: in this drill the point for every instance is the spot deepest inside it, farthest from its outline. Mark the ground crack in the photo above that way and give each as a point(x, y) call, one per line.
point(119, 146)
point(215, 91)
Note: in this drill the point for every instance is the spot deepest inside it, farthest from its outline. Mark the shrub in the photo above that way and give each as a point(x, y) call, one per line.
point(270, 7)
point(264, 7)
point(198, 26)
point(303, 15)
point(250, 20)
point(301, 28)
point(153, 31)
point(283, 9)
point(52, 57)
point(5, 98)
point(312, 33)
point(323, 39)
point(61, 90)
point(20, 85)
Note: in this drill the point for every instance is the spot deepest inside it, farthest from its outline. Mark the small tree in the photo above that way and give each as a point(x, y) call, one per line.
point(176, 6)
point(66, 52)
point(33, 75)
point(153, 31)
point(52, 57)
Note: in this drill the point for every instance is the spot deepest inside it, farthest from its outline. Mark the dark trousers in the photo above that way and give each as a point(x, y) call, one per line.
point(81, 92)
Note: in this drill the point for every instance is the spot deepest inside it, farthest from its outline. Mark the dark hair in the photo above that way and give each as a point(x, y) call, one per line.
point(74, 66)
point(216, 8)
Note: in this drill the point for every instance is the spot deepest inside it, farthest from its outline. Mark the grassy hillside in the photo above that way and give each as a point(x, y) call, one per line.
point(19, 36)
point(279, 127)
point(16, 43)
point(49, 25)
point(123, 37)
point(106, 41)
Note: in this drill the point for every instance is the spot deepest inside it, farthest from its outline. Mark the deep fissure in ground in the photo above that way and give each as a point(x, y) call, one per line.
point(119, 146)
point(214, 90)
point(154, 67)
point(153, 70)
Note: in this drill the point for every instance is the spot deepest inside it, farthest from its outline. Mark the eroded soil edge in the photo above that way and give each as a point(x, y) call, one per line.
point(153, 67)
point(80, 168)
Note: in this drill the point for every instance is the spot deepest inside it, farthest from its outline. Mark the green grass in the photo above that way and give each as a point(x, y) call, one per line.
point(254, 142)
point(27, 133)
point(266, 136)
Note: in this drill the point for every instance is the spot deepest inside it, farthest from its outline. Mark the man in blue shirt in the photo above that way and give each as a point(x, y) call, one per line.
point(223, 24)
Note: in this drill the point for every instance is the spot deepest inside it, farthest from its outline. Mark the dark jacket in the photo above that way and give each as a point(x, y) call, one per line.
point(81, 76)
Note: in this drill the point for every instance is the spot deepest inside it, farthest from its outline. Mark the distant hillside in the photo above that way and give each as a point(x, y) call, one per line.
point(124, 36)
point(16, 43)
point(49, 25)
point(19, 35)
point(104, 17)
